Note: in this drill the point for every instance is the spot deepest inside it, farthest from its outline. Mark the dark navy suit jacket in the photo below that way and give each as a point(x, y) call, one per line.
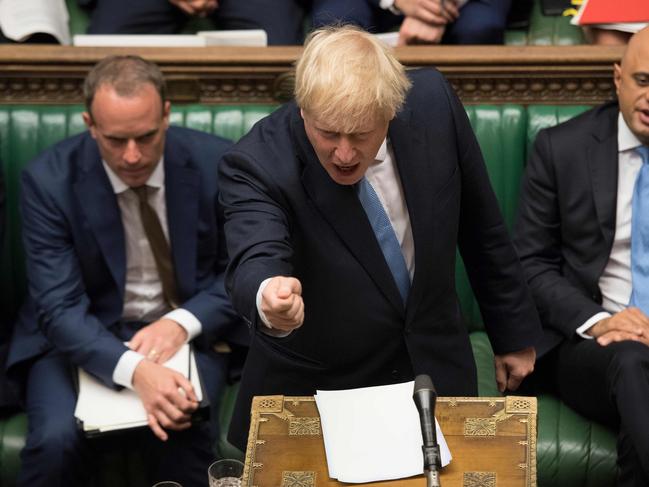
point(75, 250)
point(286, 216)
point(565, 226)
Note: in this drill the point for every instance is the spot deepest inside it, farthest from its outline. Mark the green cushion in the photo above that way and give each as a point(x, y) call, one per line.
point(12, 440)
point(552, 30)
point(543, 116)
point(571, 450)
point(500, 130)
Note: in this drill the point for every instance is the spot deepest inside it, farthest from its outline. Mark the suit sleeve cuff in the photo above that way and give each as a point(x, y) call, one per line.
point(187, 320)
point(581, 331)
point(123, 373)
point(269, 330)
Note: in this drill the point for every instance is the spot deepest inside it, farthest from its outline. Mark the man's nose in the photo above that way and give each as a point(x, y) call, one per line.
point(132, 153)
point(345, 151)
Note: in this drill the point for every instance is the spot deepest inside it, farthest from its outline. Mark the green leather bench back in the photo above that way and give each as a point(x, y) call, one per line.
point(571, 450)
point(545, 31)
point(505, 134)
point(503, 131)
point(25, 131)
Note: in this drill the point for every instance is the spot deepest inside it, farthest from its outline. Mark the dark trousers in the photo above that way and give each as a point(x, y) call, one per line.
point(57, 453)
point(281, 19)
point(480, 21)
point(610, 385)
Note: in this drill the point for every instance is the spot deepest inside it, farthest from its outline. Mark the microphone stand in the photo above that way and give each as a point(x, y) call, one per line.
point(432, 463)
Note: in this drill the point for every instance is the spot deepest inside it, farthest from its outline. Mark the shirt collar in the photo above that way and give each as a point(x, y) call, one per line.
point(156, 180)
point(626, 140)
point(382, 153)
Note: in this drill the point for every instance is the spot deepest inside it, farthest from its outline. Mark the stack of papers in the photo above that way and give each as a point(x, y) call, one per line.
point(248, 37)
point(102, 409)
point(373, 433)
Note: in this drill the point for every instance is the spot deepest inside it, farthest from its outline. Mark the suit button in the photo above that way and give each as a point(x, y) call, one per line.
point(395, 373)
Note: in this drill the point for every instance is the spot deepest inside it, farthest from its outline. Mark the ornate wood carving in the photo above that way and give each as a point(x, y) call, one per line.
point(298, 479)
point(480, 74)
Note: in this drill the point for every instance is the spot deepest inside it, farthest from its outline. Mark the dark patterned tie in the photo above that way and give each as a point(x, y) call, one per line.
point(159, 246)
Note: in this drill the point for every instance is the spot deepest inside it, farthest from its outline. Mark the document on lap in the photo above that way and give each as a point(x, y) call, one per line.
point(101, 409)
point(373, 433)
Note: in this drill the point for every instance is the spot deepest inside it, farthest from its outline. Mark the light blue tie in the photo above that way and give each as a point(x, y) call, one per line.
point(640, 235)
point(385, 235)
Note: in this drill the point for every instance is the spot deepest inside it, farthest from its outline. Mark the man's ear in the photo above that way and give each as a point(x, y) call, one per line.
point(166, 112)
point(87, 119)
point(617, 76)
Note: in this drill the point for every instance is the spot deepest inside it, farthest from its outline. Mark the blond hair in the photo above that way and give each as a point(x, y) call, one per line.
point(346, 78)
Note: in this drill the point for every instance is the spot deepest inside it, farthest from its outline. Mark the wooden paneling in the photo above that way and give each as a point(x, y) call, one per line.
point(480, 74)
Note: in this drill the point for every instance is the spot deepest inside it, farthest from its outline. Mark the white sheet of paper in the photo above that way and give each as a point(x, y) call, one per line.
point(246, 37)
point(21, 18)
point(105, 409)
point(373, 433)
point(138, 40)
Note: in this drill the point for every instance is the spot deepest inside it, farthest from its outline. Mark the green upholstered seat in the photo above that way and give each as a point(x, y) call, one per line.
point(571, 450)
point(552, 30)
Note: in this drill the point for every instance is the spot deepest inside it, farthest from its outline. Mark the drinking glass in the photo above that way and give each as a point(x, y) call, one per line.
point(225, 473)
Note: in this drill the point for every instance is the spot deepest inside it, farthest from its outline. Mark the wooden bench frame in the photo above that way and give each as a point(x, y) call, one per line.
point(479, 74)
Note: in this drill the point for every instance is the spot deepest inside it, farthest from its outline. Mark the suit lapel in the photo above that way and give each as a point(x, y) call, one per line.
point(97, 200)
point(405, 140)
point(602, 156)
point(340, 207)
point(182, 185)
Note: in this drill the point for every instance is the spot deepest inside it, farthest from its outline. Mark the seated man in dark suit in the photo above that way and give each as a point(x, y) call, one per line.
point(583, 241)
point(281, 19)
point(122, 244)
point(421, 21)
point(343, 213)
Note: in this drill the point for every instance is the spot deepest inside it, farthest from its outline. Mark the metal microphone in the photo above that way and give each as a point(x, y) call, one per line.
point(425, 397)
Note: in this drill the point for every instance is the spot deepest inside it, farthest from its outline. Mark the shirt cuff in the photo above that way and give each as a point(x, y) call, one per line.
point(389, 5)
point(269, 326)
point(187, 320)
point(592, 321)
point(123, 373)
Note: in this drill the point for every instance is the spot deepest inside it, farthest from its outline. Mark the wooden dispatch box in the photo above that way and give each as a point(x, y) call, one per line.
point(492, 440)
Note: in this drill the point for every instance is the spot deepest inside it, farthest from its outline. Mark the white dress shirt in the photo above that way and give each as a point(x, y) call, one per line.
point(382, 175)
point(615, 282)
point(143, 297)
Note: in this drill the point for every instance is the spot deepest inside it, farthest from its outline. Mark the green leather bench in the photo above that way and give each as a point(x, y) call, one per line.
point(545, 30)
point(571, 451)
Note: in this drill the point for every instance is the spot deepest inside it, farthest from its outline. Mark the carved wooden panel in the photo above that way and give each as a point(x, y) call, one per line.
point(480, 74)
